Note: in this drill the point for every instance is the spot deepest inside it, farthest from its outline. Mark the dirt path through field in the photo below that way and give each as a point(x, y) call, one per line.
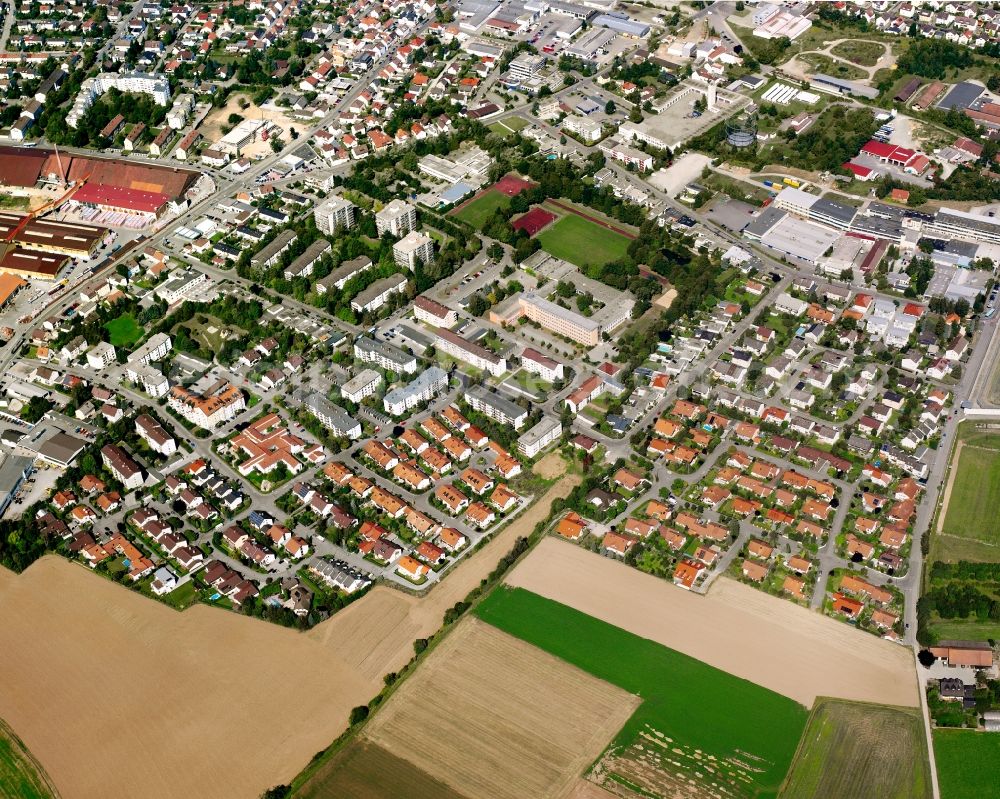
point(376, 634)
point(784, 647)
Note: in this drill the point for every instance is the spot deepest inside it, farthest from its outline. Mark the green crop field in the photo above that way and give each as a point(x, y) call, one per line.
point(20, 775)
point(123, 331)
point(582, 242)
point(363, 770)
point(968, 763)
point(855, 750)
point(477, 211)
point(693, 715)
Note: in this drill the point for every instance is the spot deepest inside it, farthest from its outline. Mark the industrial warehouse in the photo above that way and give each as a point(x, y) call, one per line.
point(96, 194)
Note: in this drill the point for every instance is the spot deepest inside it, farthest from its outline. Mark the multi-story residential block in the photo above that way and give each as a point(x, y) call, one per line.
point(334, 213)
point(271, 253)
point(121, 465)
point(433, 313)
point(363, 384)
point(219, 403)
point(398, 218)
point(151, 379)
point(334, 418)
point(154, 434)
point(378, 293)
point(423, 389)
point(546, 368)
point(471, 353)
point(536, 439)
point(496, 407)
point(413, 247)
point(155, 349)
point(102, 355)
point(385, 355)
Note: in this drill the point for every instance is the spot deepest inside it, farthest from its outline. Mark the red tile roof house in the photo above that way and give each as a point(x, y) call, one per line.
point(618, 543)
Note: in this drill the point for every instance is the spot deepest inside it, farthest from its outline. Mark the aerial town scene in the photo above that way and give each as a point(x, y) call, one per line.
point(499, 399)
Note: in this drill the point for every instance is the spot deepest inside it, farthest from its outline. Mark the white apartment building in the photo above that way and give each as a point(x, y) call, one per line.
point(546, 368)
point(122, 466)
point(102, 355)
point(154, 434)
point(471, 353)
point(498, 408)
point(378, 293)
point(433, 313)
point(398, 217)
point(155, 86)
point(214, 406)
point(548, 430)
point(149, 378)
point(363, 384)
point(385, 355)
point(423, 389)
point(335, 213)
point(411, 247)
point(155, 349)
point(335, 419)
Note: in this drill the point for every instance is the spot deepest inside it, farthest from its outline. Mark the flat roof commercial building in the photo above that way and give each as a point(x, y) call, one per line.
point(44, 266)
point(74, 239)
point(800, 239)
point(575, 326)
point(963, 225)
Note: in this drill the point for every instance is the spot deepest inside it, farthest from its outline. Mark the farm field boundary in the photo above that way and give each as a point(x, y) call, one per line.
point(697, 725)
point(735, 628)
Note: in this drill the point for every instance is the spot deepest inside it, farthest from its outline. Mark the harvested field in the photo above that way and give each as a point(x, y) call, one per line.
point(735, 628)
point(853, 751)
point(375, 635)
point(87, 663)
point(363, 770)
point(76, 633)
point(530, 729)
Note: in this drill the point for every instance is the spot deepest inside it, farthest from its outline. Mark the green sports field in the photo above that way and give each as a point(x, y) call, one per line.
point(478, 210)
point(971, 526)
point(582, 242)
point(123, 331)
point(697, 724)
point(968, 763)
point(855, 750)
point(20, 774)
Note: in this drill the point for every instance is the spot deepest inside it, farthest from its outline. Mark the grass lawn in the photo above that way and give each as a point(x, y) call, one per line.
point(530, 383)
point(20, 775)
point(183, 596)
point(971, 629)
point(831, 66)
point(854, 750)
point(971, 512)
point(859, 51)
point(123, 331)
point(968, 763)
point(691, 711)
point(477, 211)
point(581, 242)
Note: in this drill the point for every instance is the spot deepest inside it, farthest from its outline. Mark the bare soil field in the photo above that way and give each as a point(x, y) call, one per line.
point(375, 635)
point(528, 729)
point(199, 703)
point(211, 128)
point(191, 698)
point(781, 646)
point(552, 465)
